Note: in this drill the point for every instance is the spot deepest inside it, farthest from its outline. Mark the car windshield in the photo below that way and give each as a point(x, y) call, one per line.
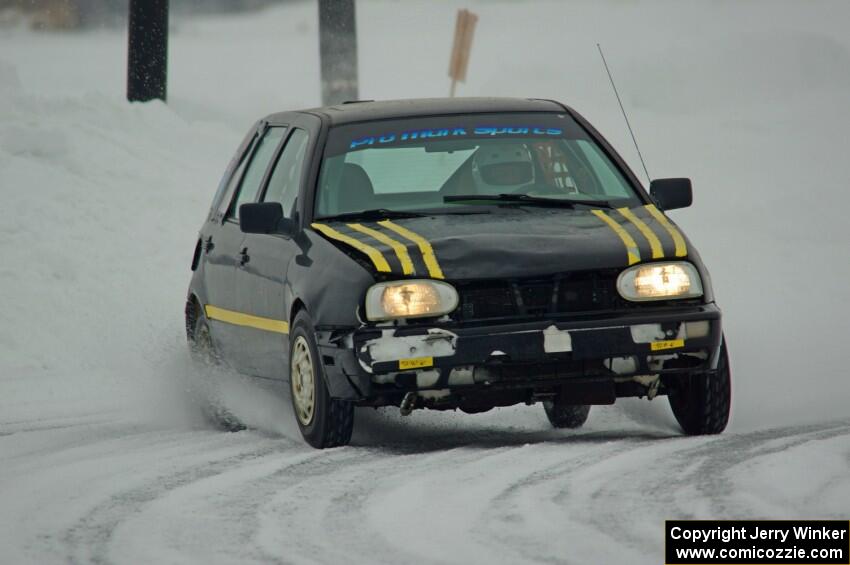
point(433, 164)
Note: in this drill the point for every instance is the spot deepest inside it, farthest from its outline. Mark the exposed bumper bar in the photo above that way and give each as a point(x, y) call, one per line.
point(446, 356)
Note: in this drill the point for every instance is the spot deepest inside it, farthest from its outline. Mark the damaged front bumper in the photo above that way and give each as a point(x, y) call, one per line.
point(632, 354)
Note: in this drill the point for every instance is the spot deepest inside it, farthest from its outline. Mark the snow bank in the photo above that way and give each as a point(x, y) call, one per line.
point(102, 200)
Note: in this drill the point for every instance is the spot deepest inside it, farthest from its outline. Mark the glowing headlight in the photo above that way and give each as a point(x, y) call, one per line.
point(410, 299)
point(659, 281)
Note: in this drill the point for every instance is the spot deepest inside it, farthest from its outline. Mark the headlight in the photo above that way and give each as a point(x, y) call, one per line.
point(410, 299)
point(659, 281)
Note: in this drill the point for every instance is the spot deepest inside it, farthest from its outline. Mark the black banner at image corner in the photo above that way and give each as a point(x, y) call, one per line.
point(757, 542)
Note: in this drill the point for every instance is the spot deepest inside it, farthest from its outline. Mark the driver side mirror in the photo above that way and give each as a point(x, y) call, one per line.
point(265, 218)
point(671, 194)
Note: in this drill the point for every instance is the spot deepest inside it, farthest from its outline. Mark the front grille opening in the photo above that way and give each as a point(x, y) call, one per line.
point(486, 300)
point(588, 292)
point(536, 297)
point(579, 293)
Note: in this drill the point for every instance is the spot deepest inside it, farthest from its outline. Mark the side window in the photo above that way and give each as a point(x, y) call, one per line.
point(225, 188)
point(284, 182)
point(256, 169)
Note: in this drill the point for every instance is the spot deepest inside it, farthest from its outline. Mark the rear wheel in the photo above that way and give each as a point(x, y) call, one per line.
point(208, 392)
point(201, 345)
point(566, 415)
point(323, 421)
point(702, 402)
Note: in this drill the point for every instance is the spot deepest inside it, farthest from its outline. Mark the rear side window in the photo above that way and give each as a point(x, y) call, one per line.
point(256, 169)
point(284, 182)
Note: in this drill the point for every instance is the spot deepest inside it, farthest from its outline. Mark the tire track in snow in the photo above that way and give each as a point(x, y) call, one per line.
point(420, 492)
point(676, 480)
point(545, 487)
point(718, 458)
point(88, 540)
point(237, 500)
point(334, 499)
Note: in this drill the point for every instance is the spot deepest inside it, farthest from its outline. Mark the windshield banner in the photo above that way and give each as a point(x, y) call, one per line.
point(454, 133)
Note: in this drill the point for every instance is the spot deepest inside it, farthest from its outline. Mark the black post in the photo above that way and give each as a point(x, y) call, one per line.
point(147, 52)
point(338, 51)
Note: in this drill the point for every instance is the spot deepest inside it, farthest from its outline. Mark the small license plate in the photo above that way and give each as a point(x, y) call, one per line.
point(415, 363)
point(667, 344)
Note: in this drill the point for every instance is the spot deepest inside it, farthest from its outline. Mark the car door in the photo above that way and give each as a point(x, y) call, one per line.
point(220, 247)
point(261, 284)
point(226, 318)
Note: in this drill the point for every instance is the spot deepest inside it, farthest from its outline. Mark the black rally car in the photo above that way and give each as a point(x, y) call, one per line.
point(453, 253)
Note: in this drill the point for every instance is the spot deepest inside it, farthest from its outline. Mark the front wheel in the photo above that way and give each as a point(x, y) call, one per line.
point(702, 402)
point(323, 421)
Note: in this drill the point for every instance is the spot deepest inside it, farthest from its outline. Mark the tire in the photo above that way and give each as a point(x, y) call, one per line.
point(566, 415)
point(702, 404)
point(323, 421)
point(209, 363)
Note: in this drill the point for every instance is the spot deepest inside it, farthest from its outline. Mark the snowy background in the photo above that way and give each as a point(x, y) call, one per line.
point(103, 460)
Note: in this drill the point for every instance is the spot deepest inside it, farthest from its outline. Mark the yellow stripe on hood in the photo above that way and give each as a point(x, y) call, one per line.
point(376, 256)
point(678, 240)
point(654, 242)
point(424, 247)
point(632, 251)
point(399, 248)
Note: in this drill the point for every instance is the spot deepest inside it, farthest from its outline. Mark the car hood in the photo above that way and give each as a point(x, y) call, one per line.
point(518, 243)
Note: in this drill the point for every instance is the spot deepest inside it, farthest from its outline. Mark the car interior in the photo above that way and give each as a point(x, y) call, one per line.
point(386, 178)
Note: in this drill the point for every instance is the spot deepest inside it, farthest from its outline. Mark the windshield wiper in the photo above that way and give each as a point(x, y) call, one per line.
point(526, 199)
point(375, 214)
point(385, 214)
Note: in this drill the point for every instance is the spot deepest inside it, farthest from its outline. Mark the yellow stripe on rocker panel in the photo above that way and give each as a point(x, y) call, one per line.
point(654, 242)
point(240, 319)
point(424, 247)
point(376, 256)
point(399, 248)
point(678, 240)
point(632, 250)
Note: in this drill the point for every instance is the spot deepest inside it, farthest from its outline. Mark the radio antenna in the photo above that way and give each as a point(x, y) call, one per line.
point(620, 102)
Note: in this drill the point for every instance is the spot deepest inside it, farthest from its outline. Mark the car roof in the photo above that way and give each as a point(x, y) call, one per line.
point(369, 110)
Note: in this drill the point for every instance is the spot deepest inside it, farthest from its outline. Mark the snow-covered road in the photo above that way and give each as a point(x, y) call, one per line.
point(103, 456)
point(95, 488)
